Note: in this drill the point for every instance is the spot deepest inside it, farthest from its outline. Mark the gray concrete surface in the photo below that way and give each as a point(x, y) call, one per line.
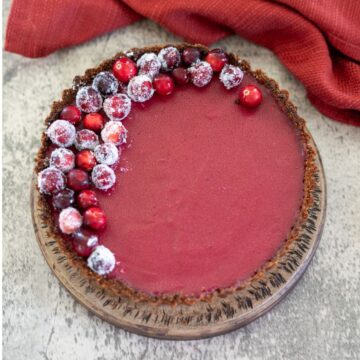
point(320, 319)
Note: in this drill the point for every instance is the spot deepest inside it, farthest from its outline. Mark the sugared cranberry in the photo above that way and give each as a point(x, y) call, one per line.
point(63, 159)
point(105, 83)
point(124, 69)
point(61, 133)
point(71, 113)
point(95, 218)
point(84, 241)
point(63, 199)
point(250, 96)
point(200, 73)
point(94, 122)
point(180, 76)
point(117, 107)
point(149, 64)
point(140, 88)
point(231, 76)
point(78, 179)
point(102, 260)
point(85, 159)
point(190, 55)
point(88, 99)
point(114, 132)
point(86, 139)
point(51, 180)
point(87, 198)
point(217, 59)
point(163, 84)
point(70, 220)
point(169, 58)
point(106, 153)
point(103, 177)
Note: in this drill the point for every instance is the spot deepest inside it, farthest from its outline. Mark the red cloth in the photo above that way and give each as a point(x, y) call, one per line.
point(318, 41)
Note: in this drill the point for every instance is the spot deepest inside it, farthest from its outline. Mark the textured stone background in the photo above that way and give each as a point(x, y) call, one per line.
point(320, 319)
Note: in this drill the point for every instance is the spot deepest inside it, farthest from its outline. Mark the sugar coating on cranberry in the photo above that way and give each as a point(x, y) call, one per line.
point(169, 58)
point(63, 159)
point(63, 199)
point(61, 133)
point(102, 260)
point(106, 153)
point(88, 99)
point(149, 64)
point(200, 73)
point(105, 83)
point(103, 177)
point(231, 76)
point(86, 139)
point(114, 132)
point(51, 180)
point(117, 107)
point(140, 88)
point(70, 220)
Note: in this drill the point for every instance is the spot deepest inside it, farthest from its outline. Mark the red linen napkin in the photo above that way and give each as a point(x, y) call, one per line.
point(318, 41)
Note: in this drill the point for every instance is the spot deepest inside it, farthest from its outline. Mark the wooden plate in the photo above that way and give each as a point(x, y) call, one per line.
point(203, 319)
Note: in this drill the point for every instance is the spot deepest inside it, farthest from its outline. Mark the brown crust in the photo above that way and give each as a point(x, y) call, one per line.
point(120, 289)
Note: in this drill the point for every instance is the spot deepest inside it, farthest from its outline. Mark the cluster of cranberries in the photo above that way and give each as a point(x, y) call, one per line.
point(88, 136)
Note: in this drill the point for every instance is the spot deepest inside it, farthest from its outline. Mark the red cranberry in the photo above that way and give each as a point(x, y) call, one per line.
point(87, 198)
point(200, 73)
point(231, 76)
point(94, 122)
point(103, 177)
point(61, 133)
point(106, 153)
point(95, 218)
point(102, 260)
point(86, 139)
point(117, 107)
point(140, 88)
point(250, 96)
point(169, 58)
point(163, 84)
point(88, 99)
point(71, 113)
point(84, 242)
point(51, 180)
point(217, 59)
point(114, 132)
point(180, 76)
point(190, 55)
point(85, 159)
point(124, 69)
point(149, 64)
point(63, 199)
point(70, 220)
point(105, 83)
point(63, 159)
point(78, 179)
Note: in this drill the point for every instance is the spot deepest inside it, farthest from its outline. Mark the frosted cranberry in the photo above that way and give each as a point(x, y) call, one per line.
point(94, 122)
point(61, 133)
point(84, 242)
point(70, 220)
point(95, 218)
point(114, 132)
point(140, 88)
point(180, 76)
point(250, 96)
point(51, 180)
point(190, 55)
point(217, 59)
point(63, 199)
point(71, 113)
point(149, 64)
point(231, 76)
point(78, 179)
point(87, 198)
point(86, 139)
point(106, 153)
point(124, 69)
point(63, 159)
point(103, 177)
point(163, 84)
point(105, 83)
point(117, 107)
point(85, 159)
point(169, 58)
point(200, 73)
point(88, 99)
point(102, 260)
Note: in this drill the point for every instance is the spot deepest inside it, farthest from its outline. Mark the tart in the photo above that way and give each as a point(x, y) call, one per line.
point(169, 174)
